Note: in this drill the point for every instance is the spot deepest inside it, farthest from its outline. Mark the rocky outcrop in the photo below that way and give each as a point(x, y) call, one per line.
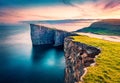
point(59, 37)
point(78, 56)
point(41, 35)
point(44, 35)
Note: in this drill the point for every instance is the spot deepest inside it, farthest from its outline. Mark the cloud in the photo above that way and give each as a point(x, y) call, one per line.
point(68, 2)
point(30, 3)
point(71, 9)
point(106, 4)
point(7, 13)
point(112, 4)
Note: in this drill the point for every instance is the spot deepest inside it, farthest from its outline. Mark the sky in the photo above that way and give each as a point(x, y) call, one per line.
point(14, 11)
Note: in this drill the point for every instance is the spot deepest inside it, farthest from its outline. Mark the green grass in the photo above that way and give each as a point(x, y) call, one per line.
point(107, 68)
point(102, 30)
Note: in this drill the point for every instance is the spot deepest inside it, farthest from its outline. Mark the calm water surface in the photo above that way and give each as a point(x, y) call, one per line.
point(20, 62)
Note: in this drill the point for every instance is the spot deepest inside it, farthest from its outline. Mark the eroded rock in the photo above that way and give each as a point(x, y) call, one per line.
point(78, 56)
point(45, 35)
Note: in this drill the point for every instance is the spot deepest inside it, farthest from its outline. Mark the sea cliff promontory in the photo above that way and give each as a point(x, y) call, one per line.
point(46, 35)
point(78, 55)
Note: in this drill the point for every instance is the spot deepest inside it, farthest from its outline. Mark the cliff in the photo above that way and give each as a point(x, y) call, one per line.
point(59, 37)
point(78, 56)
point(41, 35)
point(45, 35)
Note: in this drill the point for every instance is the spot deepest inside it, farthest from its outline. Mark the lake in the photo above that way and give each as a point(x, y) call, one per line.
point(20, 62)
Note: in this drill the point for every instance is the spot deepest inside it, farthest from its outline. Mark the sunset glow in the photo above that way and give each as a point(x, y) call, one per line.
point(88, 10)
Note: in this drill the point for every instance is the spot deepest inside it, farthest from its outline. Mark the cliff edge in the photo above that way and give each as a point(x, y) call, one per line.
point(45, 35)
point(78, 56)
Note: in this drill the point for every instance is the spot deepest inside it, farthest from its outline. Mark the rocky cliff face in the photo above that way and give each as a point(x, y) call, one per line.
point(45, 35)
point(41, 35)
point(78, 56)
point(59, 37)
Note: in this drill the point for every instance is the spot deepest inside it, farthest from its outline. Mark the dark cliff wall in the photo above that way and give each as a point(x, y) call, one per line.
point(45, 35)
point(78, 56)
point(41, 35)
point(59, 37)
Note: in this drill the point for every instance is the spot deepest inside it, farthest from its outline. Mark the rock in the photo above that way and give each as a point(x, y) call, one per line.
point(78, 56)
point(41, 35)
point(45, 35)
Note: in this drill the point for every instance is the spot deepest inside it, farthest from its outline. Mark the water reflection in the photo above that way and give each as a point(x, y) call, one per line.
point(48, 55)
point(39, 65)
point(20, 62)
point(38, 52)
point(49, 62)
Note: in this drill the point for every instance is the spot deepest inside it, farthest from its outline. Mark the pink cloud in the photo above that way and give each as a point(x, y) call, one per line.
point(89, 10)
point(112, 4)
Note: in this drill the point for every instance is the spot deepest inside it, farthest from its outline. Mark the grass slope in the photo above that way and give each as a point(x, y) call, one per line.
point(102, 30)
point(105, 26)
point(107, 69)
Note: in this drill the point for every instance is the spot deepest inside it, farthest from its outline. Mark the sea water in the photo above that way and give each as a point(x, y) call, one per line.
point(20, 62)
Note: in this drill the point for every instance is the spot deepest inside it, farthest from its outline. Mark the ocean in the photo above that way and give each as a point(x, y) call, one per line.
point(20, 62)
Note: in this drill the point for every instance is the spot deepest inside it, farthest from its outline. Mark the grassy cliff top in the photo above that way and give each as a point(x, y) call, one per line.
point(107, 68)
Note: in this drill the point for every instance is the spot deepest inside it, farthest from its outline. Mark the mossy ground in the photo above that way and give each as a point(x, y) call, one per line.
point(107, 68)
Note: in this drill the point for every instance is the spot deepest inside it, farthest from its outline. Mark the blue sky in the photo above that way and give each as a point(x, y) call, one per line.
point(21, 3)
point(25, 3)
